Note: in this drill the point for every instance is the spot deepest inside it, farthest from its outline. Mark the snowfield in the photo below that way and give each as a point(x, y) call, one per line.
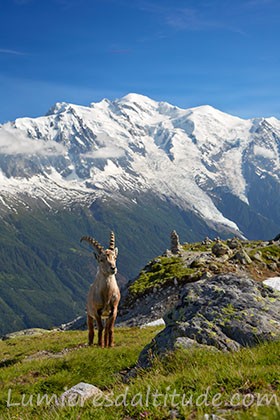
point(131, 145)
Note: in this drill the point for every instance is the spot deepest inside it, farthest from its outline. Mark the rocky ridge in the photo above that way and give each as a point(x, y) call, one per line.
point(159, 284)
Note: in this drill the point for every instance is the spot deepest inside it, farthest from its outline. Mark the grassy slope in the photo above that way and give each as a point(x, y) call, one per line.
point(44, 271)
point(248, 372)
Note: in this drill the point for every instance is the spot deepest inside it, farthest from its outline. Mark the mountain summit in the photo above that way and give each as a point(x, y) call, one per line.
point(200, 159)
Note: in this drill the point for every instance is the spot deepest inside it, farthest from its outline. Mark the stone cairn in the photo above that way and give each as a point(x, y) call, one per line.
point(175, 243)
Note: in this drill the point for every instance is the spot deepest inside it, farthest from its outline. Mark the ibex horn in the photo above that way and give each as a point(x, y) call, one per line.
point(112, 241)
point(94, 243)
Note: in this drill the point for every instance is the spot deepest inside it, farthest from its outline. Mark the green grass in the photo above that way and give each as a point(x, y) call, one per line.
point(197, 247)
point(226, 384)
point(160, 272)
point(270, 251)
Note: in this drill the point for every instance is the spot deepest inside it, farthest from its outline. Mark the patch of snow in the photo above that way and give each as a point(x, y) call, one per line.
point(273, 282)
point(111, 152)
point(154, 323)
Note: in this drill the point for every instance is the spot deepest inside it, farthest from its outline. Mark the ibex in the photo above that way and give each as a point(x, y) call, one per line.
point(104, 294)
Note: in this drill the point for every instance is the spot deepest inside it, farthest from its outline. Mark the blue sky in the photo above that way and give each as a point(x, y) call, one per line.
point(223, 53)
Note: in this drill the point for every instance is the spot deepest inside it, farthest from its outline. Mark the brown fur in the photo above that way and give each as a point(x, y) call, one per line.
point(104, 294)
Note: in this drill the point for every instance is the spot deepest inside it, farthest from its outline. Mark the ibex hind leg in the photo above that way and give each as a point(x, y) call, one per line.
point(90, 330)
point(106, 333)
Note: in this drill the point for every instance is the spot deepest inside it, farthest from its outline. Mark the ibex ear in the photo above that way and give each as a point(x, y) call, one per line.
point(116, 251)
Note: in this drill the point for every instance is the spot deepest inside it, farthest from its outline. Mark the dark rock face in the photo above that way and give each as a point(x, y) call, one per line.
point(225, 312)
point(149, 308)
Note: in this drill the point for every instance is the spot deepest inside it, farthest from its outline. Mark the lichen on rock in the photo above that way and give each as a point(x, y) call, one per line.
point(225, 312)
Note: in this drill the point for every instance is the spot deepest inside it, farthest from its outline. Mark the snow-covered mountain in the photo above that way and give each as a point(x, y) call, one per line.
point(200, 159)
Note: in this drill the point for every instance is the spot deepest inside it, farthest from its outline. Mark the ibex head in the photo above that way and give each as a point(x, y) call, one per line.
point(106, 257)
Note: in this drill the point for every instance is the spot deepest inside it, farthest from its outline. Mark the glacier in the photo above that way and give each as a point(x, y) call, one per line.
point(75, 154)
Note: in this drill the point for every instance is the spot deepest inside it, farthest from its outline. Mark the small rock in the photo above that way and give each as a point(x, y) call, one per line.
point(272, 266)
point(220, 249)
point(214, 268)
point(272, 258)
point(198, 262)
point(174, 414)
point(264, 244)
point(206, 241)
point(79, 393)
point(167, 253)
point(242, 257)
point(225, 257)
point(257, 257)
point(233, 243)
point(206, 275)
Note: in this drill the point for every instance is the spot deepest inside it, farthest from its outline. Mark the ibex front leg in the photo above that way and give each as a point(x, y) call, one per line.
point(100, 329)
point(90, 330)
point(109, 329)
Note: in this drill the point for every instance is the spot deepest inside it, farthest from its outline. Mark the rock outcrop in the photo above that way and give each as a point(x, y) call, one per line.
point(277, 238)
point(175, 245)
point(225, 312)
point(219, 249)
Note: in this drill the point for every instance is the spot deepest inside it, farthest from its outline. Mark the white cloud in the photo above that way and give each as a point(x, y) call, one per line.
point(199, 17)
point(107, 152)
point(15, 143)
point(13, 52)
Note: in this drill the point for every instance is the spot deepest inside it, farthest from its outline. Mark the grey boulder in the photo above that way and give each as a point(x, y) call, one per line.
point(224, 313)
